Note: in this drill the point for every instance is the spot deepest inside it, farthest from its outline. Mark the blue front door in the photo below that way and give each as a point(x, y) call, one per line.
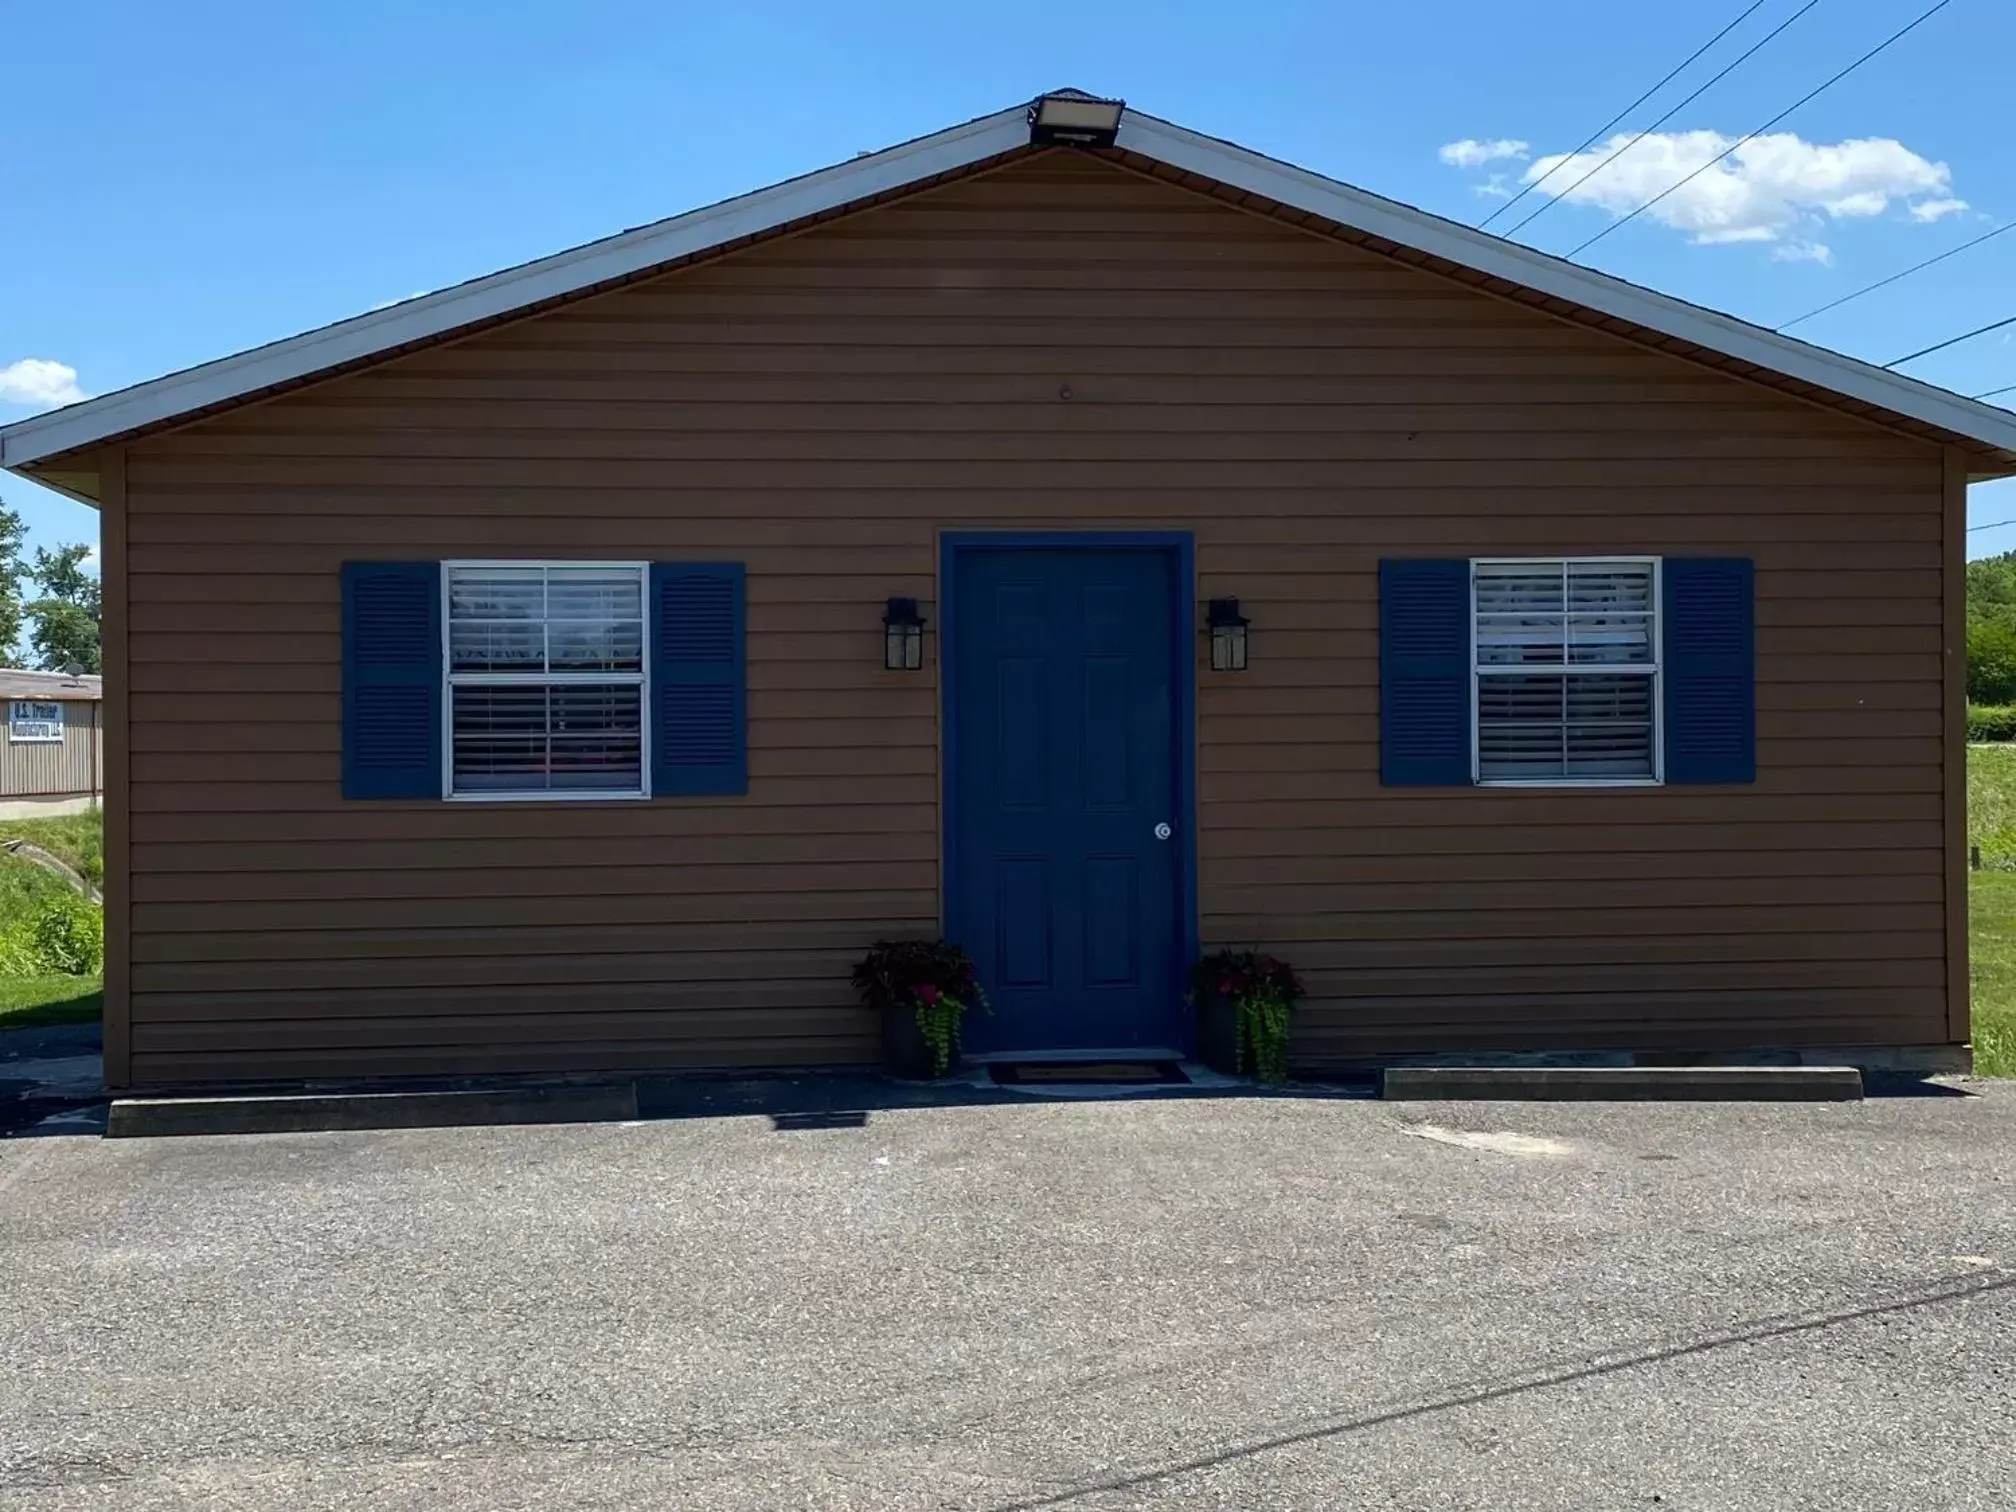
point(1063, 880)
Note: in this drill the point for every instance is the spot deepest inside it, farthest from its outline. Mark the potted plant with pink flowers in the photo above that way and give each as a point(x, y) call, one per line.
point(1245, 1002)
point(922, 990)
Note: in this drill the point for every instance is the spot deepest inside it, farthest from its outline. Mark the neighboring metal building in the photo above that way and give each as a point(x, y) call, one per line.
point(506, 689)
point(54, 758)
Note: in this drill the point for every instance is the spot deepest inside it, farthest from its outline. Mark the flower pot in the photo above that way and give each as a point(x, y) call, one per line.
point(1218, 1035)
point(904, 1045)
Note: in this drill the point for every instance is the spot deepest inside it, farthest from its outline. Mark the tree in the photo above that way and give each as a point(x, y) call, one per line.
point(63, 621)
point(1991, 581)
point(11, 531)
point(1991, 629)
point(1991, 658)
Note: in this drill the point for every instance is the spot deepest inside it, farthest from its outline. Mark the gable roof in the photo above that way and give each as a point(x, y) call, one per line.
point(1986, 433)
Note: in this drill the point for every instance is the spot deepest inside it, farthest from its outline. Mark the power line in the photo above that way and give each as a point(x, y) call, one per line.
point(1740, 61)
point(1804, 99)
point(1996, 526)
point(1885, 282)
point(1597, 134)
point(1940, 346)
point(2011, 389)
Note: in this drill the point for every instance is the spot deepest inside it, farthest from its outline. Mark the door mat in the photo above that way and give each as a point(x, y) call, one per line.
point(1088, 1073)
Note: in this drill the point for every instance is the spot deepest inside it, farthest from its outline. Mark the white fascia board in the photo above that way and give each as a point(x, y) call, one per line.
point(1502, 258)
point(514, 289)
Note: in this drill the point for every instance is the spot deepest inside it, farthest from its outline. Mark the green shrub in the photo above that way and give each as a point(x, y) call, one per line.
point(46, 929)
point(1991, 722)
point(70, 940)
point(25, 890)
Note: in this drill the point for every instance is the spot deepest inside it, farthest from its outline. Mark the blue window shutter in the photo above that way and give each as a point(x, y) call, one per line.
point(391, 679)
point(699, 720)
point(1424, 672)
point(1710, 669)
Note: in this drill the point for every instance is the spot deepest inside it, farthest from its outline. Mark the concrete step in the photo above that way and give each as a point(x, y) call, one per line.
point(139, 1117)
point(1622, 1083)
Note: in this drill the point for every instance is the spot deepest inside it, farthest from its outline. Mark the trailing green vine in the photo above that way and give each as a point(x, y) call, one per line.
point(938, 1016)
point(1262, 991)
point(1263, 1032)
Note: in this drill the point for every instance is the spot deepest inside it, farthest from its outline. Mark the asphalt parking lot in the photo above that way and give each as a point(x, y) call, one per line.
point(1166, 1303)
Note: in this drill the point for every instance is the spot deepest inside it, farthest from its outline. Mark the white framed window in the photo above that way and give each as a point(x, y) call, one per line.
point(545, 669)
point(34, 722)
point(1564, 656)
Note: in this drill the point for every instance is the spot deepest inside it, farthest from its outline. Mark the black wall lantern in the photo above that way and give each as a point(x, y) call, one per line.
point(1228, 636)
point(902, 636)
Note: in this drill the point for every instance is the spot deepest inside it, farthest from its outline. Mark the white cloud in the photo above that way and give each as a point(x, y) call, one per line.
point(1471, 153)
point(1493, 187)
point(1775, 188)
point(39, 382)
point(1936, 209)
point(1804, 251)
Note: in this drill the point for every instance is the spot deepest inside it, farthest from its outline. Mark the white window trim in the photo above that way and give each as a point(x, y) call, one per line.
point(450, 678)
point(61, 721)
point(1657, 669)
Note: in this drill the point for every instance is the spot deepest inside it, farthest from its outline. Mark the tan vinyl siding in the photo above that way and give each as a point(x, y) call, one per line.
point(1059, 344)
point(71, 768)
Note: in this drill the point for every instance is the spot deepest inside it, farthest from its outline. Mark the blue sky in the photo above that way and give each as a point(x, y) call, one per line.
point(182, 182)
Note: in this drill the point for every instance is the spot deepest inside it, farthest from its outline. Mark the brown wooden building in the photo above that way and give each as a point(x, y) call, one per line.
point(500, 681)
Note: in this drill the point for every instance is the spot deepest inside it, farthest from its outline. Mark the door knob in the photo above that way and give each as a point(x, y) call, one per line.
point(1162, 832)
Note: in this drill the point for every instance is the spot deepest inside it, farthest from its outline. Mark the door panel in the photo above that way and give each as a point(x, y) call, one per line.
point(1065, 753)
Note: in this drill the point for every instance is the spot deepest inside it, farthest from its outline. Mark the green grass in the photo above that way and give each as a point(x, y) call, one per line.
point(1991, 911)
point(1991, 906)
point(1991, 804)
point(34, 1002)
point(31, 1002)
point(76, 839)
point(28, 894)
